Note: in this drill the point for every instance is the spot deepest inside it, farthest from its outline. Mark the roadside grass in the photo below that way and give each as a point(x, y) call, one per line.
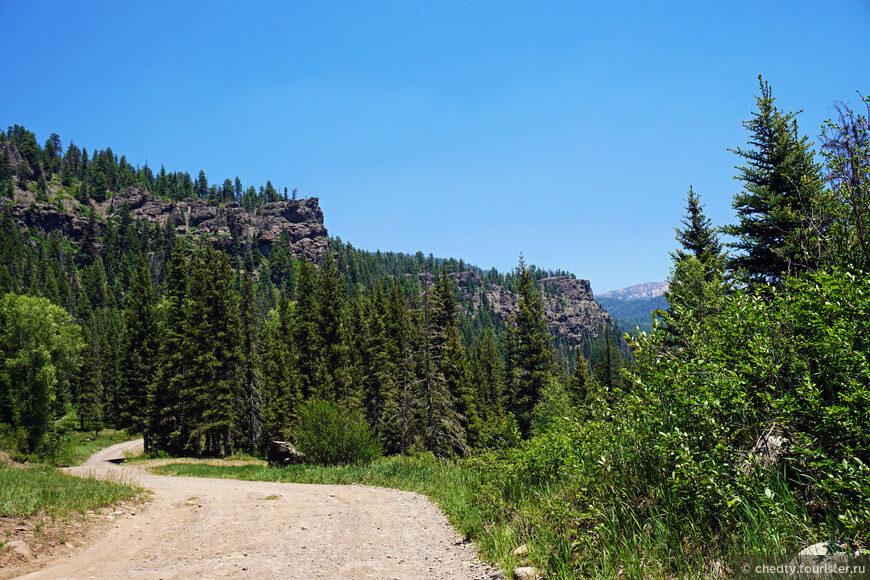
point(40, 488)
point(26, 491)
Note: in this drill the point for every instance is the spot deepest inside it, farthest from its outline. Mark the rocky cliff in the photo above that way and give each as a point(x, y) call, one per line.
point(300, 220)
point(569, 304)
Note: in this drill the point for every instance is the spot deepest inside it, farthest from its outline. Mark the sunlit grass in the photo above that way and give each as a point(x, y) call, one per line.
point(28, 490)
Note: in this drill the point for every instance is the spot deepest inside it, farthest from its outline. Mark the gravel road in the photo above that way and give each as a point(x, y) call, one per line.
point(216, 528)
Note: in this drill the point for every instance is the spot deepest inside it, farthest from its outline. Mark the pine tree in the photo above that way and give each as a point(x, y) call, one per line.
point(532, 348)
point(581, 388)
point(308, 339)
point(214, 341)
point(698, 237)
point(330, 303)
point(252, 400)
point(781, 182)
point(379, 365)
point(281, 389)
point(171, 427)
point(139, 356)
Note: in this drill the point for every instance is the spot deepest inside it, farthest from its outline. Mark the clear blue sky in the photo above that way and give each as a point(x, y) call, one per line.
point(568, 131)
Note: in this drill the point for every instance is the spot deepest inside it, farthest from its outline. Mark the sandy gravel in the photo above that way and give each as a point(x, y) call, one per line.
point(215, 528)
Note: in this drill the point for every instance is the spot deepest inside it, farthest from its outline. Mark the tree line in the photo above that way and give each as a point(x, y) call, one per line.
point(96, 176)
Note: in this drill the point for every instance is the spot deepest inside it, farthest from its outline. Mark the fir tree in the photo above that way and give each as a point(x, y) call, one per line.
point(698, 237)
point(214, 340)
point(140, 355)
point(781, 181)
point(531, 348)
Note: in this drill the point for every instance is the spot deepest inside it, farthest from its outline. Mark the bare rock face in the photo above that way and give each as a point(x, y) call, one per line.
point(48, 218)
point(301, 221)
point(569, 304)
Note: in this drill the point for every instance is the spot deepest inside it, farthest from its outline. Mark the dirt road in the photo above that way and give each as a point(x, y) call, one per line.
point(214, 528)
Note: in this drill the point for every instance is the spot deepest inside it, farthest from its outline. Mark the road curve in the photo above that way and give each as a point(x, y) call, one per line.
point(215, 528)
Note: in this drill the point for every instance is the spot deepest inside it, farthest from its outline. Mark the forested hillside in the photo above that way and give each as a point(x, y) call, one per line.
point(206, 316)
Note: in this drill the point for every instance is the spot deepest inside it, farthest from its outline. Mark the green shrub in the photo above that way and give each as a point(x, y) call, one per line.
point(329, 435)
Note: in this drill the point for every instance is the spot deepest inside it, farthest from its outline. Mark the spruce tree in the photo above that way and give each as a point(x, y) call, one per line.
point(532, 348)
point(781, 182)
point(252, 400)
point(214, 342)
point(698, 237)
point(330, 303)
point(581, 388)
point(171, 427)
point(139, 358)
point(308, 339)
point(281, 386)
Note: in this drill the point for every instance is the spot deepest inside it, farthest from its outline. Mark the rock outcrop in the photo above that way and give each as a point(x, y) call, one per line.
point(569, 304)
point(301, 221)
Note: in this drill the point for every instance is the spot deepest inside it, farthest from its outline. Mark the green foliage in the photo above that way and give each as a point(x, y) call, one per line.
point(40, 346)
point(781, 182)
point(330, 435)
point(531, 352)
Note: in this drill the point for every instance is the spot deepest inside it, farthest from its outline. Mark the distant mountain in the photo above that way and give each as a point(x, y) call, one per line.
point(631, 307)
point(638, 291)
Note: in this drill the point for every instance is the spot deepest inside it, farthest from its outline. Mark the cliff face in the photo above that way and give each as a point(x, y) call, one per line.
point(301, 220)
point(569, 304)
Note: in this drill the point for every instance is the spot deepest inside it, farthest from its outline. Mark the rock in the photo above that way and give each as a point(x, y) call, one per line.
point(282, 453)
point(20, 548)
point(569, 304)
point(526, 573)
point(300, 221)
point(835, 548)
point(835, 553)
point(521, 551)
point(767, 451)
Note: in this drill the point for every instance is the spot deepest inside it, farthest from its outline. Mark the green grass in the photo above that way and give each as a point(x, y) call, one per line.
point(29, 490)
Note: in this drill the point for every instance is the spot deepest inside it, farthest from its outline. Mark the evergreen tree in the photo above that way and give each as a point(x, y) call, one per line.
point(252, 400)
point(581, 388)
point(330, 303)
point(89, 395)
point(281, 389)
point(531, 349)
point(698, 237)
point(213, 341)
point(140, 355)
point(308, 338)
point(170, 422)
point(379, 365)
point(781, 182)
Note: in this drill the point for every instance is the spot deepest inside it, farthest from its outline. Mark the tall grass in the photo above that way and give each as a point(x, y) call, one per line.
point(28, 490)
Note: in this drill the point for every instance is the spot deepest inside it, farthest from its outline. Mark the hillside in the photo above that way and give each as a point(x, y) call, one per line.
point(250, 226)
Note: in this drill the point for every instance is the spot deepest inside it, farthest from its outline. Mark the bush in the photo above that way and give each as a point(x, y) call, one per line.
point(330, 435)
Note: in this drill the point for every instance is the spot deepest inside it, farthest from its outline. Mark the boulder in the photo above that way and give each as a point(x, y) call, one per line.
point(526, 573)
point(283, 453)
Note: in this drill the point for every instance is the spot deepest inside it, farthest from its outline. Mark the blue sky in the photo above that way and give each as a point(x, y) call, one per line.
point(568, 131)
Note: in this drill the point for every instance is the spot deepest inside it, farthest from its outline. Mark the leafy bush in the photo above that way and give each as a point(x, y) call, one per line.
point(329, 435)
